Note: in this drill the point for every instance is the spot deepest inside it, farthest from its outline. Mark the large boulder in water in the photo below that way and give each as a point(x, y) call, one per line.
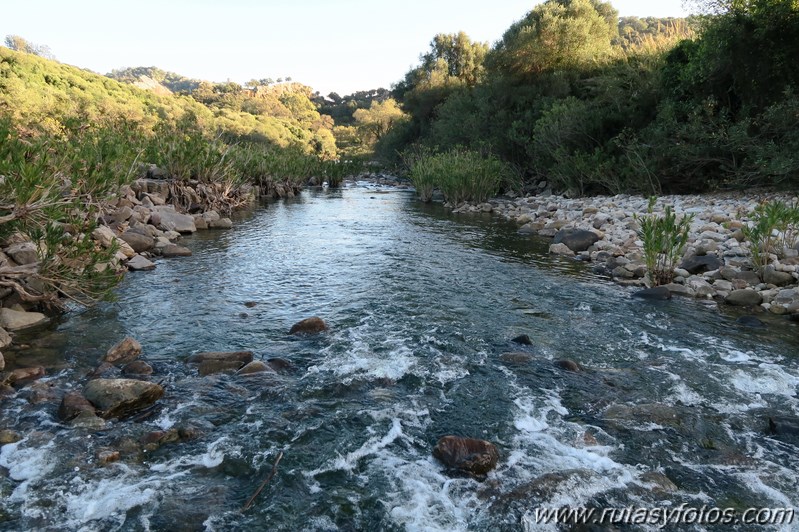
point(312, 325)
point(576, 239)
point(469, 455)
point(220, 361)
point(121, 397)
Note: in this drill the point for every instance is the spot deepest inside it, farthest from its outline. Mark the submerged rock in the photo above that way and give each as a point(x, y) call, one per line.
point(279, 364)
point(137, 367)
point(750, 321)
point(174, 250)
point(522, 339)
point(469, 455)
point(124, 352)
point(516, 358)
point(312, 325)
point(116, 398)
point(568, 365)
point(244, 357)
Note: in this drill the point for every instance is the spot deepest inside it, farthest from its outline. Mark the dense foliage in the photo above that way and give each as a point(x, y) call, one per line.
point(593, 104)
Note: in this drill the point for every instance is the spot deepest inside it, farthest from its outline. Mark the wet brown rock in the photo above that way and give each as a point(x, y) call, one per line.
point(103, 370)
point(256, 366)
point(212, 367)
point(2, 362)
point(568, 365)
point(72, 405)
point(41, 392)
point(659, 482)
point(469, 455)
point(137, 367)
point(312, 325)
point(121, 397)
point(220, 361)
point(107, 456)
point(279, 364)
point(23, 375)
point(124, 352)
point(5, 338)
point(174, 250)
point(9, 436)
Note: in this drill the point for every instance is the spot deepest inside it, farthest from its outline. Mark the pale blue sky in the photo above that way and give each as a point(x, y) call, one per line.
point(341, 45)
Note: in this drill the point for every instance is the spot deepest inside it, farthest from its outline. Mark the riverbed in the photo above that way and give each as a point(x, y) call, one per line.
point(676, 403)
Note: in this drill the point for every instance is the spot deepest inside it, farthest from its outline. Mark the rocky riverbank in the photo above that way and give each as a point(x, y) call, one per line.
point(144, 221)
point(717, 263)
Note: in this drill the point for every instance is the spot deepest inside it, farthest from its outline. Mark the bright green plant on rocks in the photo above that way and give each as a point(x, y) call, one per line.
point(664, 238)
point(774, 226)
point(43, 203)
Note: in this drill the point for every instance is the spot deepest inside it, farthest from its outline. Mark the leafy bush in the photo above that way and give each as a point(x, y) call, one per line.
point(664, 239)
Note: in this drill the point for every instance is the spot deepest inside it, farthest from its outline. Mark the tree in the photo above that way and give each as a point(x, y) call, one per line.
point(379, 118)
point(17, 43)
point(557, 34)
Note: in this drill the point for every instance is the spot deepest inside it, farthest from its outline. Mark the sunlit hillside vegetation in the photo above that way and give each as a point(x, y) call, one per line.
point(588, 103)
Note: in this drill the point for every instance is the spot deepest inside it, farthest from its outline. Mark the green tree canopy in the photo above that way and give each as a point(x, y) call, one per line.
point(555, 35)
point(378, 119)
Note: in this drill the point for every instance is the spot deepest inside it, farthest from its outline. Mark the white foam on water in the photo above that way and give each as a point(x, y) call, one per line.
point(371, 446)
point(360, 360)
point(733, 355)
point(214, 455)
point(543, 444)
point(26, 464)
point(767, 378)
point(109, 499)
point(680, 392)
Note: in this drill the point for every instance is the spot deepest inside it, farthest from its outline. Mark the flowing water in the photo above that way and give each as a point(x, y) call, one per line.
point(422, 305)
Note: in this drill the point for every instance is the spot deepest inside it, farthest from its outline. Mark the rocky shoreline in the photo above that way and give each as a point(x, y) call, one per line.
point(716, 265)
point(142, 222)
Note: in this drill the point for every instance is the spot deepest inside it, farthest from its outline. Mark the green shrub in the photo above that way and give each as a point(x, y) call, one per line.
point(461, 175)
point(664, 239)
point(774, 227)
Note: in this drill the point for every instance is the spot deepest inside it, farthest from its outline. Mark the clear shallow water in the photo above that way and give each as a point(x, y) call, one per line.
point(421, 305)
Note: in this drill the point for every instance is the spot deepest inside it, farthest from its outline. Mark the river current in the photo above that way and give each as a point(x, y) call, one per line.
point(673, 405)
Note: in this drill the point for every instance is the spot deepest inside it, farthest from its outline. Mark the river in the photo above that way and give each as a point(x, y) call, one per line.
point(672, 407)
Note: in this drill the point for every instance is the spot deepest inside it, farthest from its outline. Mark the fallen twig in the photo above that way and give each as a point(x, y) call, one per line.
point(263, 484)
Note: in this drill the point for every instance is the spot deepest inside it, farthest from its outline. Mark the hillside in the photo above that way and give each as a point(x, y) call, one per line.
point(42, 94)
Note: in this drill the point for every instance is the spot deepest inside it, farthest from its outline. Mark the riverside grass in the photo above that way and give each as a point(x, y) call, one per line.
point(664, 239)
point(462, 175)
